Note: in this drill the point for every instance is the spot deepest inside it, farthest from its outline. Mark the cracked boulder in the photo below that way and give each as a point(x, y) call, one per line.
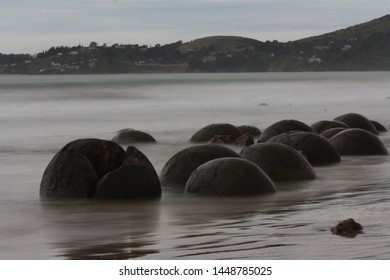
point(329, 133)
point(77, 169)
point(228, 131)
point(127, 136)
point(179, 167)
point(354, 120)
point(321, 126)
point(317, 149)
point(136, 178)
point(281, 127)
point(355, 141)
point(229, 177)
point(279, 161)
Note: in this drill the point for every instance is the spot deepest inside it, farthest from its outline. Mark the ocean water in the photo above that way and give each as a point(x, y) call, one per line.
point(40, 114)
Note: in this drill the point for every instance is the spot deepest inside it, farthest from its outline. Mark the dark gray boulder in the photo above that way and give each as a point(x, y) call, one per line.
point(94, 168)
point(354, 120)
point(321, 126)
point(379, 127)
point(104, 155)
point(179, 167)
point(317, 149)
point(136, 178)
point(69, 175)
point(283, 126)
point(279, 161)
point(229, 177)
point(205, 134)
point(129, 136)
point(249, 130)
point(75, 170)
point(356, 141)
point(331, 132)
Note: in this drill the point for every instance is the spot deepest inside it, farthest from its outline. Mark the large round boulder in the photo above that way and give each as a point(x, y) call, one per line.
point(229, 177)
point(127, 136)
point(225, 130)
point(283, 126)
point(354, 120)
point(89, 168)
point(279, 161)
point(136, 178)
point(357, 141)
point(321, 126)
point(317, 149)
point(179, 167)
point(331, 132)
point(249, 130)
point(75, 170)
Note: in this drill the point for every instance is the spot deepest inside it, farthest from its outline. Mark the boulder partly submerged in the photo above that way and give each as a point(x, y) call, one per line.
point(321, 126)
point(128, 136)
point(281, 127)
point(317, 149)
point(205, 134)
point(78, 168)
point(180, 166)
point(229, 177)
point(279, 161)
point(356, 141)
point(355, 120)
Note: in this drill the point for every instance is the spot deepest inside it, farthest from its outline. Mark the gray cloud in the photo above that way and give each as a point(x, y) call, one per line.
point(36, 25)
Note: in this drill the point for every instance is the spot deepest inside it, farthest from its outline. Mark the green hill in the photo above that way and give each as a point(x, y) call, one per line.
point(363, 47)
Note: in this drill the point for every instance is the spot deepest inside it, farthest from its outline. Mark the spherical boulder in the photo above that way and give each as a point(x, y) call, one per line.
point(379, 127)
point(331, 132)
point(89, 168)
point(283, 126)
point(279, 161)
point(179, 167)
point(206, 133)
point(249, 130)
point(136, 178)
point(354, 120)
point(356, 141)
point(127, 136)
point(317, 149)
point(229, 177)
point(75, 170)
point(321, 126)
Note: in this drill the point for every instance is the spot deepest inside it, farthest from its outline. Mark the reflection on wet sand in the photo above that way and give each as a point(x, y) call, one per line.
point(95, 230)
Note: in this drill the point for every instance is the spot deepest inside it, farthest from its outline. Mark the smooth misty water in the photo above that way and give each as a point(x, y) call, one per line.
point(40, 114)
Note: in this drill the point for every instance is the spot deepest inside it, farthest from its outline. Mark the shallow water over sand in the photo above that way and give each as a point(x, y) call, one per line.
point(40, 114)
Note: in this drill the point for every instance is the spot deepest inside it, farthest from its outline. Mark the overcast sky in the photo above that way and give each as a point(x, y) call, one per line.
point(30, 26)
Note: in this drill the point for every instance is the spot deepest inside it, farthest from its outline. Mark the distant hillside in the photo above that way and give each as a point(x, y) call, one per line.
point(363, 47)
point(218, 43)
